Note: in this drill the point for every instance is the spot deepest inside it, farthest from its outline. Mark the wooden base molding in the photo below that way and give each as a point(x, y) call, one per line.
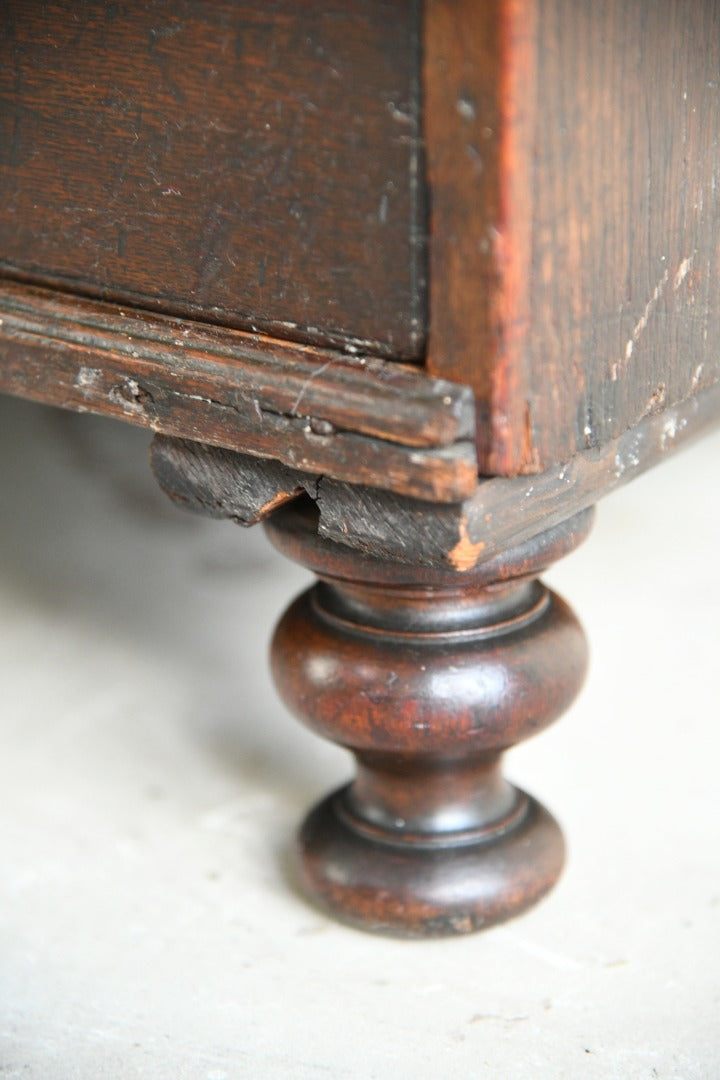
point(353, 417)
point(427, 676)
point(501, 513)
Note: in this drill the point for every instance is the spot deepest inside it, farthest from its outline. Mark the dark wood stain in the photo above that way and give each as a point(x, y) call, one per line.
point(573, 153)
point(502, 513)
point(215, 483)
point(574, 165)
point(505, 511)
point(260, 167)
point(426, 684)
point(359, 419)
point(252, 164)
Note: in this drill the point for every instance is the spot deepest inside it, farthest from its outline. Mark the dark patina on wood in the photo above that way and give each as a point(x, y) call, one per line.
point(257, 165)
point(505, 511)
point(208, 481)
point(355, 418)
point(427, 676)
point(502, 513)
point(573, 160)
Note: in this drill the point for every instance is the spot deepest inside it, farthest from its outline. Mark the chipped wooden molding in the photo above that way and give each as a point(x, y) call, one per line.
point(352, 418)
point(502, 513)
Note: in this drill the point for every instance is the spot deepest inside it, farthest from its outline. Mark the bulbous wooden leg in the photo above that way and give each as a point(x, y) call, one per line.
point(427, 676)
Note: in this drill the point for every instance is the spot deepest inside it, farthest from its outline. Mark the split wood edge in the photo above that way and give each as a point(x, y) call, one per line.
point(500, 515)
point(352, 418)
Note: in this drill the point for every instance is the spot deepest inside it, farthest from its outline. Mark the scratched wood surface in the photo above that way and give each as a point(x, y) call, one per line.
point(574, 169)
point(502, 513)
point(253, 164)
point(260, 166)
point(361, 419)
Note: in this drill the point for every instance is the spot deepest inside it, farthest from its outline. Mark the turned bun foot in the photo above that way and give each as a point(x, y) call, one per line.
point(427, 676)
point(420, 888)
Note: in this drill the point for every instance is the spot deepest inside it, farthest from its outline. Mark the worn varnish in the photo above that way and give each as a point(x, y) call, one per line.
point(263, 166)
point(260, 168)
point(360, 419)
point(426, 681)
point(502, 513)
point(253, 164)
point(574, 169)
point(505, 511)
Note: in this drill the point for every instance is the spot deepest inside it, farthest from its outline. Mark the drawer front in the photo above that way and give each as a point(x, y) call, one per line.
point(254, 164)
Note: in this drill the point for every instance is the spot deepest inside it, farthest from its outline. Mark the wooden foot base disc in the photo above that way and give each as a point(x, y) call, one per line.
point(411, 889)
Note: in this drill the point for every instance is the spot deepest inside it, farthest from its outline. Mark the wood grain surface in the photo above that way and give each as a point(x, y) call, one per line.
point(253, 164)
point(506, 511)
point(262, 167)
point(574, 165)
point(361, 419)
point(426, 684)
point(502, 513)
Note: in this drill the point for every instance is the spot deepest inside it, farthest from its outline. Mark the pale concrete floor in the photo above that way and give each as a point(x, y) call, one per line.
point(151, 782)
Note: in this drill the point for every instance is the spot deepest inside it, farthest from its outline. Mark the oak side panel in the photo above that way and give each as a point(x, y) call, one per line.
point(479, 60)
point(582, 296)
point(251, 164)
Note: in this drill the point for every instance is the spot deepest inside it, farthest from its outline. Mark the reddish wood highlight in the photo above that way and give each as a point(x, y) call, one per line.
point(573, 158)
point(427, 676)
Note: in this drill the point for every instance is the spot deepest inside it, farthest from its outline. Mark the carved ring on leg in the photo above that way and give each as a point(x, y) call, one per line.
point(427, 676)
